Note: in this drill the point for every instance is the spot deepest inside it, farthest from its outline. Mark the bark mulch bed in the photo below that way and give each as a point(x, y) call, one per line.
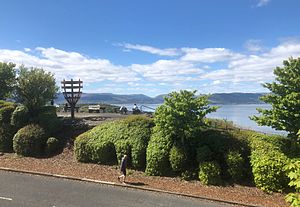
point(65, 164)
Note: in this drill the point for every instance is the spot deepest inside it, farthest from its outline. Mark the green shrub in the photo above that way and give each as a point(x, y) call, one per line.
point(47, 118)
point(52, 145)
point(138, 131)
point(130, 136)
point(123, 148)
point(102, 152)
point(293, 170)
point(204, 154)
point(158, 154)
point(5, 103)
point(88, 149)
point(20, 117)
point(6, 137)
point(5, 113)
point(209, 173)
point(81, 150)
point(178, 159)
point(30, 141)
point(267, 163)
point(189, 174)
point(235, 165)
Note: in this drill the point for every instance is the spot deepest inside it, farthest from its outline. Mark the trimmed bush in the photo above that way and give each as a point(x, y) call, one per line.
point(102, 152)
point(6, 138)
point(20, 117)
point(47, 118)
point(52, 145)
point(209, 173)
point(129, 136)
point(5, 113)
point(204, 154)
point(123, 147)
point(81, 150)
point(267, 163)
point(30, 140)
point(235, 165)
point(158, 154)
point(189, 174)
point(293, 170)
point(178, 159)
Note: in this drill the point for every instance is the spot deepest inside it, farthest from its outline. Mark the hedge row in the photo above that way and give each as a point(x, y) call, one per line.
point(16, 125)
point(6, 130)
point(116, 138)
point(158, 153)
point(223, 149)
point(211, 155)
point(268, 162)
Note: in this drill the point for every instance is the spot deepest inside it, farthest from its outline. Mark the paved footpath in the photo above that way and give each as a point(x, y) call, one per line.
point(25, 190)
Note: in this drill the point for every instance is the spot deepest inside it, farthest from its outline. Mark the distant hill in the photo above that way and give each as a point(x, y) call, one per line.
point(110, 98)
point(236, 98)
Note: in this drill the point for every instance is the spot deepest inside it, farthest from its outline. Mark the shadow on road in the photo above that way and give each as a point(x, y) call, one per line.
point(136, 183)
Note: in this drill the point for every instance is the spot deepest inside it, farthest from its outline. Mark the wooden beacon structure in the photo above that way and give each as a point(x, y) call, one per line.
point(72, 93)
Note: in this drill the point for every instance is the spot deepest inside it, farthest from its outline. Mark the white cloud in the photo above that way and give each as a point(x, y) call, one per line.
point(70, 65)
point(167, 70)
point(152, 50)
point(255, 68)
point(261, 3)
point(217, 69)
point(208, 55)
point(253, 45)
point(216, 82)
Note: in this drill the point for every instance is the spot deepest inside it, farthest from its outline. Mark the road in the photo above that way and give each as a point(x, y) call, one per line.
point(24, 190)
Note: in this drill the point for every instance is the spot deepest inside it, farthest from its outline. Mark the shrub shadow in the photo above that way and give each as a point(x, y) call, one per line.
point(135, 183)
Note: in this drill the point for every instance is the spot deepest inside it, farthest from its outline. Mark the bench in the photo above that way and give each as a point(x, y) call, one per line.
point(96, 108)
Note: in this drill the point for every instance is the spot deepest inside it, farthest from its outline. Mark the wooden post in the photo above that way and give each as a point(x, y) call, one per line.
point(72, 93)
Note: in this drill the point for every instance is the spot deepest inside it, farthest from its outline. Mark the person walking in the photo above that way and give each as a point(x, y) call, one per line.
point(123, 169)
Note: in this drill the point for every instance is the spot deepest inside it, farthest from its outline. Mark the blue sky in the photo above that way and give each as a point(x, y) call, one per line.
point(153, 47)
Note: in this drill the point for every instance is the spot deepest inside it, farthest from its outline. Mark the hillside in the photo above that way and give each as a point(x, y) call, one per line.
point(217, 98)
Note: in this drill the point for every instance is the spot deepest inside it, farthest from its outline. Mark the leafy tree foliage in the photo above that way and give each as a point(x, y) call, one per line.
point(284, 98)
point(182, 113)
point(7, 79)
point(35, 88)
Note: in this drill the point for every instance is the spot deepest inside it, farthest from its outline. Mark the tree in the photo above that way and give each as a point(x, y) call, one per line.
point(7, 79)
point(35, 88)
point(284, 99)
point(182, 113)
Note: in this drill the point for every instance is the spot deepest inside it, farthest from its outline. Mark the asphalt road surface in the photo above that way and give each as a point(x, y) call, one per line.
point(24, 190)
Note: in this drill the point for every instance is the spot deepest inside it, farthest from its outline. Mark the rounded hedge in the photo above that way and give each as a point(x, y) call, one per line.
point(52, 145)
point(209, 173)
point(47, 118)
point(235, 165)
point(20, 117)
point(81, 150)
point(30, 140)
point(102, 152)
point(268, 162)
point(5, 113)
point(129, 136)
point(178, 158)
point(6, 138)
point(123, 148)
point(158, 154)
point(204, 154)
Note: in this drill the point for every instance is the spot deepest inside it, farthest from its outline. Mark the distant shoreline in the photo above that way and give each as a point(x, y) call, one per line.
point(109, 98)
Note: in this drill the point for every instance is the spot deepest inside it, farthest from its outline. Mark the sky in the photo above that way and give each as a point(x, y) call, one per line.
point(153, 47)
